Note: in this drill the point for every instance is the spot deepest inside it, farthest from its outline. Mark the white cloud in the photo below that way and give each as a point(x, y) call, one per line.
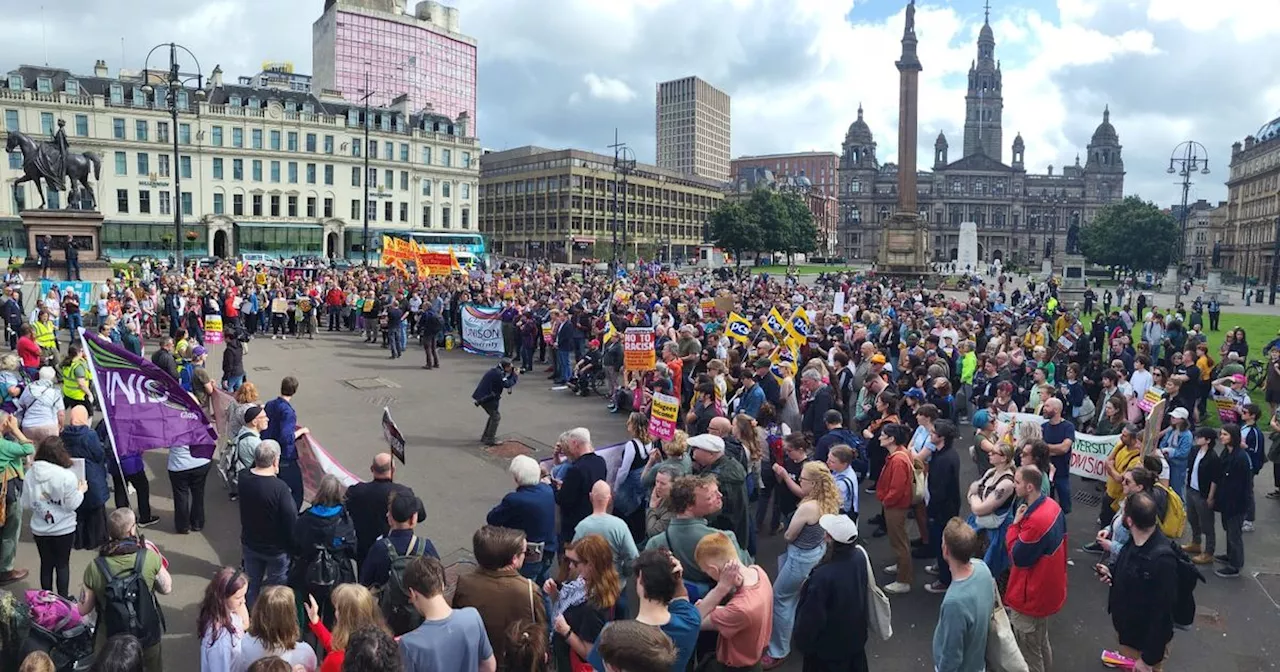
point(608, 88)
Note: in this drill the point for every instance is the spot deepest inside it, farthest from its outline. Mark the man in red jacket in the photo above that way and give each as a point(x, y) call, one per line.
point(894, 490)
point(1037, 543)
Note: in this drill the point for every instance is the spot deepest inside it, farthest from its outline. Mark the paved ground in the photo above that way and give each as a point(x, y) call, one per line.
point(459, 482)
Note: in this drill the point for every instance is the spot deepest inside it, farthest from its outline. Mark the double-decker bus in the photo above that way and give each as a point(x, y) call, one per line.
point(469, 247)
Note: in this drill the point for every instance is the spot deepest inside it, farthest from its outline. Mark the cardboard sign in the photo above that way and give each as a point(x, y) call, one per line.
point(637, 349)
point(662, 419)
point(390, 432)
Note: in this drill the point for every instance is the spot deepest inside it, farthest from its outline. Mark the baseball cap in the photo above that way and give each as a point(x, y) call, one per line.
point(841, 528)
point(708, 442)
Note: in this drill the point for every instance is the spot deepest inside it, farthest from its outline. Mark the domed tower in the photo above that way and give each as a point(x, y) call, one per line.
point(940, 152)
point(984, 102)
point(1104, 167)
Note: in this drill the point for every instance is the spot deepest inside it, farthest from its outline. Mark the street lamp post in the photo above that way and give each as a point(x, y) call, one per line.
point(1187, 158)
point(174, 80)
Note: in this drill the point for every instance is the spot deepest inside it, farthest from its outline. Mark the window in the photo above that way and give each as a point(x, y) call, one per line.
point(404, 180)
point(388, 211)
point(144, 202)
point(355, 209)
point(293, 172)
point(293, 206)
point(466, 159)
point(140, 130)
point(275, 205)
point(122, 164)
point(162, 131)
point(292, 141)
point(219, 204)
point(255, 138)
point(184, 167)
point(311, 142)
point(426, 187)
point(237, 137)
point(166, 207)
point(444, 217)
point(466, 191)
point(404, 212)
point(404, 152)
point(46, 123)
point(144, 164)
point(257, 205)
point(237, 169)
point(275, 171)
point(328, 175)
point(355, 176)
point(82, 125)
point(117, 128)
point(217, 168)
point(11, 120)
point(426, 215)
point(328, 207)
point(216, 136)
point(162, 167)
point(187, 204)
point(311, 206)
point(311, 173)
point(257, 170)
point(237, 205)
point(445, 189)
point(426, 155)
point(446, 157)
point(328, 144)
point(275, 140)
point(122, 201)
point(466, 218)
point(184, 134)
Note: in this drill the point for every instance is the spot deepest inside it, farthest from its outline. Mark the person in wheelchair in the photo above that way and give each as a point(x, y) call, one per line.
point(588, 369)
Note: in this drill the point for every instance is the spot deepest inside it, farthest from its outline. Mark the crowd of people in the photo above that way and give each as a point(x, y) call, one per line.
point(793, 406)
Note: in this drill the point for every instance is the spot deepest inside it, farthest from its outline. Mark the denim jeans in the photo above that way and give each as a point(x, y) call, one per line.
point(793, 569)
point(263, 569)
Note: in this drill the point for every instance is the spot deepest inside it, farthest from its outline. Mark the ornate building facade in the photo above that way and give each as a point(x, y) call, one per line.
point(1022, 217)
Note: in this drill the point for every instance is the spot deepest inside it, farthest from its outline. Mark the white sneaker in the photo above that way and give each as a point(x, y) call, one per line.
point(898, 588)
point(891, 569)
point(1247, 527)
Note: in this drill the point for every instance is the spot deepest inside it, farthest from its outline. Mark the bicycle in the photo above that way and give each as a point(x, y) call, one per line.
point(1256, 373)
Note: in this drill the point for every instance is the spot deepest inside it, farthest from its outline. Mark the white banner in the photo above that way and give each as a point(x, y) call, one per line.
point(482, 330)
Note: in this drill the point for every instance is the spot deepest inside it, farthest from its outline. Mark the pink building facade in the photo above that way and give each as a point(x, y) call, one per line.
point(421, 56)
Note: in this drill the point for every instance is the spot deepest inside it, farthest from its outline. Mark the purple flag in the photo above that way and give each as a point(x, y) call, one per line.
point(143, 405)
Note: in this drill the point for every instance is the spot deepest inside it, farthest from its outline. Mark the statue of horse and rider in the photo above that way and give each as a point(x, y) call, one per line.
point(52, 162)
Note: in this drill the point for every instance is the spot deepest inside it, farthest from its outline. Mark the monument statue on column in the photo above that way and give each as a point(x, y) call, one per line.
point(904, 246)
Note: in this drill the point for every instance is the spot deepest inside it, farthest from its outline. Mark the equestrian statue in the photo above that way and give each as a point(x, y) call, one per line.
point(54, 163)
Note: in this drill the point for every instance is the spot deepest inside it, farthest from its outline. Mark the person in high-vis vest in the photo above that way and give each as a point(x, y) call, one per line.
point(45, 332)
point(75, 380)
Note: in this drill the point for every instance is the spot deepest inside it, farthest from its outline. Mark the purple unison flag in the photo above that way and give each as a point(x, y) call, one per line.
point(143, 405)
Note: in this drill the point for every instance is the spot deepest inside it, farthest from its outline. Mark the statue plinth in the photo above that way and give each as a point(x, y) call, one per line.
point(85, 229)
point(904, 247)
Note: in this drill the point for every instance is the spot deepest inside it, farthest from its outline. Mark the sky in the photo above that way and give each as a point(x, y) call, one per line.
point(567, 73)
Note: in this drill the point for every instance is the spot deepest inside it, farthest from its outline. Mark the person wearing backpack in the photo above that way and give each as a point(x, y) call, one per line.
point(383, 568)
point(324, 547)
point(1144, 586)
point(121, 584)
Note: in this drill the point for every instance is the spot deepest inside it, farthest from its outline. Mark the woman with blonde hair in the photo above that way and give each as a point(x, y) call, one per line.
point(585, 602)
point(355, 609)
point(806, 544)
point(273, 631)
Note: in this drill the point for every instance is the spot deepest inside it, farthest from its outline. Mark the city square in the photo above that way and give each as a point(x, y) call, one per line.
point(431, 182)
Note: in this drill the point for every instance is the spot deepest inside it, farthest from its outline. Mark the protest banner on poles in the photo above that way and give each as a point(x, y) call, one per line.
point(637, 349)
point(662, 418)
point(390, 432)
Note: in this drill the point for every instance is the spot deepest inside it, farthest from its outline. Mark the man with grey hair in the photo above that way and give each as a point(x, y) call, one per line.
point(530, 508)
point(822, 401)
point(573, 489)
point(267, 515)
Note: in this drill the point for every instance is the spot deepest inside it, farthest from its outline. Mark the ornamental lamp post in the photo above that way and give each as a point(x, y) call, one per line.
point(174, 81)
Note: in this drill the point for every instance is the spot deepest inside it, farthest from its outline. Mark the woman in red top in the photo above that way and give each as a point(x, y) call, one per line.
point(29, 352)
point(354, 609)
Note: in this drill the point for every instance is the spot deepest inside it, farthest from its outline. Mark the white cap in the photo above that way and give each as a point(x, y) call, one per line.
point(708, 442)
point(840, 527)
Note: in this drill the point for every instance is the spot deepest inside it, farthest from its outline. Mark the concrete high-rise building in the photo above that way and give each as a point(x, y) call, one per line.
point(421, 56)
point(693, 128)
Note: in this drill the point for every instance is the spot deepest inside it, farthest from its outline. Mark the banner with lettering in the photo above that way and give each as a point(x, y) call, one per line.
point(482, 330)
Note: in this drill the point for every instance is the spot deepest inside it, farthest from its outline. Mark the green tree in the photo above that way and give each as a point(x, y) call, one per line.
point(734, 227)
point(1132, 234)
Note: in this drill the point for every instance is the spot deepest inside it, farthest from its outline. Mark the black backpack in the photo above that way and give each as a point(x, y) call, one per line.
point(128, 605)
point(393, 596)
point(1184, 607)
